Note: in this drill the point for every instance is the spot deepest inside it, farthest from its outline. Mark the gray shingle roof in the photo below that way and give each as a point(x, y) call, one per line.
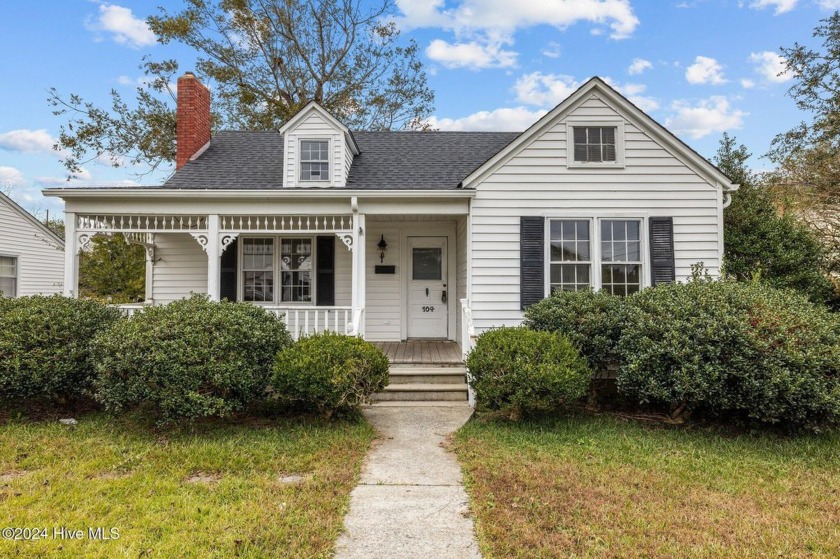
point(388, 160)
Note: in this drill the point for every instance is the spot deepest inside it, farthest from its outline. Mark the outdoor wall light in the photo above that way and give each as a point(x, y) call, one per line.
point(383, 246)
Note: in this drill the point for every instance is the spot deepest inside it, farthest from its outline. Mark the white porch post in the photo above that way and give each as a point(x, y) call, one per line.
point(357, 297)
point(150, 275)
point(360, 276)
point(71, 256)
point(214, 257)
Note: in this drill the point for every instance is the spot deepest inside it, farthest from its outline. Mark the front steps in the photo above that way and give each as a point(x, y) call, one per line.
point(411, 383)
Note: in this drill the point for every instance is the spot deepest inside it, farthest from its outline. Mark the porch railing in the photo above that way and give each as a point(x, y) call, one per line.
point(302, 321)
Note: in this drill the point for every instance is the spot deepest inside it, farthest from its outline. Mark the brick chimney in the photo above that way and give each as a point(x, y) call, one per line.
point(193, 118)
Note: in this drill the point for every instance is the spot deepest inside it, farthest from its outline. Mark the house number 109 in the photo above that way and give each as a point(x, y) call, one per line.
point(428, 309)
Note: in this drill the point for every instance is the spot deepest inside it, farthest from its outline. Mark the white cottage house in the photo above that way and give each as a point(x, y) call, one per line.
point(414, 235)
point(31, 254)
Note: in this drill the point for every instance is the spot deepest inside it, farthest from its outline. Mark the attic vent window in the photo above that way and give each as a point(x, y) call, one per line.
point(315, 160)
point(594, 144)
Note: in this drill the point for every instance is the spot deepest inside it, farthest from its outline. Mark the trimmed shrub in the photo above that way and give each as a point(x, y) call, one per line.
point(592, 321)
point(733, 347)
point(45, 345)
point(329, 372)
point(517, 370)
point(189, 359)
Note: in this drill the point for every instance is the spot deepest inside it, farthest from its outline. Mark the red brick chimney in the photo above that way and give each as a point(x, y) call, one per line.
point(193, 118)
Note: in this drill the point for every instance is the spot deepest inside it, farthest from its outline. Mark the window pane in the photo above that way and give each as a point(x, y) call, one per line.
point(426, 263)
point(593, 153)
point(568, 229)
point(632, 274)
point(606, 231)
point(619, 230)
point(582, 230)
point(608, 135)
point(594, 135)
point(634, 252)
point(633, 230)
point(8, 287)
point(583, 250)
point(8, 266)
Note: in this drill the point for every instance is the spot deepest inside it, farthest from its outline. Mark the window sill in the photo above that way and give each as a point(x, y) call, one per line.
point(594, 165)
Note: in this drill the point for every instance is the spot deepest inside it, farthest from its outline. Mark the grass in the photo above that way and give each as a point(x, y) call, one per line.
point(598, 486)
point(210, 490)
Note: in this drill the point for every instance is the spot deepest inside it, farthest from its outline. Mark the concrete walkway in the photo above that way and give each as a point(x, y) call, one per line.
point(410, 501)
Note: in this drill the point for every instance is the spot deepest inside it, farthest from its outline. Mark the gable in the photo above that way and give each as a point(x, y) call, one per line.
point(15, 217)
point(596, 104)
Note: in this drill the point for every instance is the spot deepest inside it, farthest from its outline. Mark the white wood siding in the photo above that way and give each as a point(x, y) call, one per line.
point(40, 266)
point(181, 268)
point(316, 127)
point(536, 182)
point(384, 302)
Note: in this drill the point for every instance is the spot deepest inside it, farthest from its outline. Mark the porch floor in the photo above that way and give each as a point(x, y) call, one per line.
point(425, 352)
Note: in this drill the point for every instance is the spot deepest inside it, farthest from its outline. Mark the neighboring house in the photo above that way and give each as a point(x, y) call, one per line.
point(401, 235)
point(31, 254)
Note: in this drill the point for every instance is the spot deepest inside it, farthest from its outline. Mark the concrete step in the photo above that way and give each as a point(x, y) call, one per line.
point(418, 404)
point(422, 392)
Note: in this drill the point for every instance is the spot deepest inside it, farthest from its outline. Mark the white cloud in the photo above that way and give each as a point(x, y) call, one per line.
point(781, 6)
point(501, 16)
point(829, 4)
point(124, 28)
point(770, 66)
point(514, 119)
point(705, 70)
point(747, 83)
point(27, 141)
point(473, 55)
point(633, 92)
point(9, 176)
point(638, 66)
point(82, 176)
point(544, 90)
point(551, 50)
point(712, 115)
point(125, 80)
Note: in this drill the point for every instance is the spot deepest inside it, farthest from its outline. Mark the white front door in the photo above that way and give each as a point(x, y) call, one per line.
point(428, 314)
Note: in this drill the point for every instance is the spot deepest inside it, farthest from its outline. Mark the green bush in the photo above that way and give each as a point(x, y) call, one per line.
point(329, 372)
point(592, 321)
point(728, 347)
point(517, 370)
point(188, 359)
point(45, 345)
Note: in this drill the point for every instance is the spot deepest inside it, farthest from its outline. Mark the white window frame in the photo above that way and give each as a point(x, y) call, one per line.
point(278, 272)
point(301, 161)
point(640, 262)
point(591, 262)
point(595, 247)
point(571, 124)
point(16, 276)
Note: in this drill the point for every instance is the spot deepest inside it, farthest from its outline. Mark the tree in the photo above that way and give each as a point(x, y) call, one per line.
point(114, 271)
point(760, 243)
point(807, 179)
point(265, 59)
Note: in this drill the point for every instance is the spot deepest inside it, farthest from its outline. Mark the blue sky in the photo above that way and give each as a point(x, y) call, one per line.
point(700, 67)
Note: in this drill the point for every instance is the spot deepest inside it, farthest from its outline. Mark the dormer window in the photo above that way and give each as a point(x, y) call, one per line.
point(314, 160)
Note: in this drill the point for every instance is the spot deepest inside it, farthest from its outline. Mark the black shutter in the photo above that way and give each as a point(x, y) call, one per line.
point(662, 269)
point(227, 276)
point(531, 260)
point(325, 270)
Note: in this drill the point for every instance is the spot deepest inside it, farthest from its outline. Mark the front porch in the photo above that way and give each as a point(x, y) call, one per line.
point(369, 284)
point(426, 352)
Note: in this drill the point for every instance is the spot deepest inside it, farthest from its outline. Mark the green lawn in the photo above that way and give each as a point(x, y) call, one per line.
point(212, 490)
point(590, 486)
